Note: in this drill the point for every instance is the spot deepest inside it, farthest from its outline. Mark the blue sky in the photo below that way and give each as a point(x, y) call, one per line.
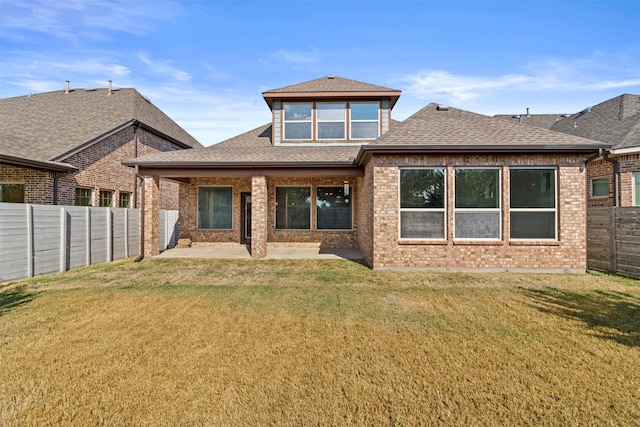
point(206, 63)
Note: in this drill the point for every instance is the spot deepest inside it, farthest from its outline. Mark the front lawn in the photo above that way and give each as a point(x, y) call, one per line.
point(171, 342)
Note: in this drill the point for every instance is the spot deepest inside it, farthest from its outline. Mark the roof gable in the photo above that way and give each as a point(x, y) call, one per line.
point(58, 122)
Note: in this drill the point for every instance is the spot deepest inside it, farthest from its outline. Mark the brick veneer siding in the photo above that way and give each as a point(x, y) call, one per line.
point(188, 227)
point(596, 169)
point(38, 185)
point(568, 253)
point(629, 164)
point(100, 167)
point(364, 232)
point(259, 206)
point(150, 236)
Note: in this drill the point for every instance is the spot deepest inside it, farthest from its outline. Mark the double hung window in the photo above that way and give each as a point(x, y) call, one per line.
point(106, 198)
point(600, 187)
point(297, 121)
point(124, 200)
point(333, 209)
point(331, 120)
point(477, 204)
point(293, 208)
point(533, 213)
point(364, 120)
point(11, 193)
point(422, 203)
point(215, 208)
point(84, 197)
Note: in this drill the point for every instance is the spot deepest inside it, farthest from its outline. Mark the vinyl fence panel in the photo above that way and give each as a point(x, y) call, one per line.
point(13, 242)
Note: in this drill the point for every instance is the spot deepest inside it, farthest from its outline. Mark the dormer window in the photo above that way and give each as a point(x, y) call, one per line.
point(297, 121)
point(364, 120)
point(331, 121)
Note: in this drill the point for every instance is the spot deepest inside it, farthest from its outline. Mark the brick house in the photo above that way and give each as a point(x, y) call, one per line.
point(446, 188)
point(613, 176)
point(67, 147)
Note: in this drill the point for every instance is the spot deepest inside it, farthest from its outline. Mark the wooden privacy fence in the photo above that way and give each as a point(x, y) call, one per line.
point(613, 240)
point(43, 239)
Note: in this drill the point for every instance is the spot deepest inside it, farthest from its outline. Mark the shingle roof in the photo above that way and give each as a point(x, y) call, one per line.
point(544, 121)
point(253, 148)
point(615, 121)
point(436, 126)
point(57, 122)
point(7, 154)
point(331, 84)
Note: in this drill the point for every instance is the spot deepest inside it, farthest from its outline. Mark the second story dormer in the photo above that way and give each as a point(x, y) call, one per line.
point(330, 110)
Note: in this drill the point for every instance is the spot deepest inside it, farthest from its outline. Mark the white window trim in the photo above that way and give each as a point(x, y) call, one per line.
point(351, 121)
point(275, 208)
point(198, 206)
point(318, 121)
point(591, 187)
point(443, 209)
point(285, 121)
point(499, 191)
point(555, 210)
point(315, 201)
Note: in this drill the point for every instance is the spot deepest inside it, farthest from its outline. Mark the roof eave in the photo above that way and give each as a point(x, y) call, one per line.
point(37, 164)
point(269, 97)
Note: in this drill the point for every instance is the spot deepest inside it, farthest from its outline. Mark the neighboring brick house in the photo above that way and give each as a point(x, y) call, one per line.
point(613, 176)
point(67, 147)
point(446, 188)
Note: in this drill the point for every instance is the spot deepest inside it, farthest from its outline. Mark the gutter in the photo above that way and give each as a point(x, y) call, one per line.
point(37, 164)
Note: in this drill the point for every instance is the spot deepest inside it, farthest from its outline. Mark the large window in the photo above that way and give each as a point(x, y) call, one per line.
point(215, 208)
point(477, 204)
point(297, 121)
point(533, 204)
point(84, 197)
point(331, 120)
point(12, 193)
point(293, 208)
point(422, 204)
point(364, 120)
point(333, 209)
point(106, 198)
point(600, 187)
point(124, 200)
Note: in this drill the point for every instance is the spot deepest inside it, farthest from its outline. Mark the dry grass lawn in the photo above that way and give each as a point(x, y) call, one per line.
point(180, 342)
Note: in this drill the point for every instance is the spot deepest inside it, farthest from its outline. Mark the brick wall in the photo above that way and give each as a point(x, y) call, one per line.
point(595, 169)
point(629, 165)
point(38, 185)
point(364, 232)
point(568, 253)
point(312, 238)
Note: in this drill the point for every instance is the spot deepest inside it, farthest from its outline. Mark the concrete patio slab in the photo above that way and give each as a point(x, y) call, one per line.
point(241, 252)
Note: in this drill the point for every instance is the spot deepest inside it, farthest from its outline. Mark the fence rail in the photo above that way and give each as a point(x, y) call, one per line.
point(43, 239)
point(613, 240)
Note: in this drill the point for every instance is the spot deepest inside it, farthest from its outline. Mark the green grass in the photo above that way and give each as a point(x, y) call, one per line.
point(167, 342)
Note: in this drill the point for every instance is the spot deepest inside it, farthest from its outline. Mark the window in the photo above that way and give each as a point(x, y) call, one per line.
point(293, 208)
point(125, 200)
point(533, 204)
point(84, 197)
point(297, 121)
point(364, 120)
point(11, 193)
point(106, 198)
point(333, 209)
point(215, 208)
point(331, 120)
point(636, 189)
point(600, 187)
point(477, 204)
point(422, 204)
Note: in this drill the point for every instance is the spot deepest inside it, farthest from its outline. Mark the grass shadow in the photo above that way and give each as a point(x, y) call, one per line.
point(611, 315)
point(11, 300)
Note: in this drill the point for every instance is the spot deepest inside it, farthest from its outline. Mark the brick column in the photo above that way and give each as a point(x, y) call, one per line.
point(151, 216)
point(259, 206)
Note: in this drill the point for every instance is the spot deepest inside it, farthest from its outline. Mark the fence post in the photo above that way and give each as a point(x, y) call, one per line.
point(109, 234)
point(126, 233)
point(30, 248)
point(613, 262)
point(88, 236)
point(63, 239)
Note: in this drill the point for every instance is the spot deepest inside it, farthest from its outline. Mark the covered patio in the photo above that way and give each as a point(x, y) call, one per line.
point(242, 252)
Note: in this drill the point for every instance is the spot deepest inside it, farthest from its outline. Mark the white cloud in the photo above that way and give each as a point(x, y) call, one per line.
point(164, 67)
point(298, 57)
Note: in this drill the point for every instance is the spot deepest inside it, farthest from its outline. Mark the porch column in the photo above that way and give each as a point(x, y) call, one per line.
point(150, 216)
point(259, 203)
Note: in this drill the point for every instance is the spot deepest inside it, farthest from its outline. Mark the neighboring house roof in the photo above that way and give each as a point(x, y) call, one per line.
point(544, 121)
point(331, 86)
point(58, 123)
point(615, 121)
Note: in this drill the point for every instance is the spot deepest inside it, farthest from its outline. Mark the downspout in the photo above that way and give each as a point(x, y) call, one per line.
point(141, 256)
point(55, 188)
point(135, 154)
point(616, 171)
